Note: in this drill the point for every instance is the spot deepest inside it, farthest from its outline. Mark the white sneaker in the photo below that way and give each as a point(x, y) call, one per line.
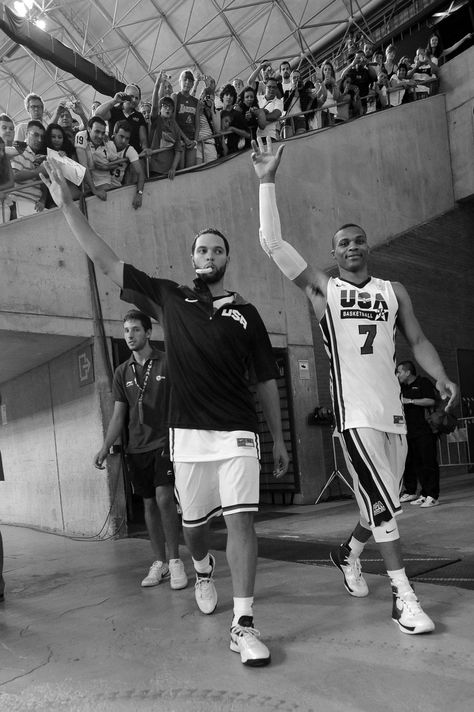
point(430, 502)
point(245, 639)
point(205, 591)
point(408, 613)
point(354, 582)
point(157, 573)
point(418, 501)
point(178, 578)
point(407, 497)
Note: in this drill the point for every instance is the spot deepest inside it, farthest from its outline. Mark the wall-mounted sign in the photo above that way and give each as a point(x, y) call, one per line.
point(85, 365)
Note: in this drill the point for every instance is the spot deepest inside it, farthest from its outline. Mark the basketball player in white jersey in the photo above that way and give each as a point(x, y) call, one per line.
point(358, 316)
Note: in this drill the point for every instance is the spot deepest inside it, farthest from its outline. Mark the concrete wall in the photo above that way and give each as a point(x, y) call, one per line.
point(53, 428)
point(456, 80)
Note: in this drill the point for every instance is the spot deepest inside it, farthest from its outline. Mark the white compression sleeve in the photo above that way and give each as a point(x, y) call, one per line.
point(283, 254)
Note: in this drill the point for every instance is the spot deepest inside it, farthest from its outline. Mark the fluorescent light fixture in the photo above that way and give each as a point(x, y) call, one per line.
point(41, 24)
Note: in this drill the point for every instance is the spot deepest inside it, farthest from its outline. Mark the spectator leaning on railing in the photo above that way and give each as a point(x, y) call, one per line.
point(7, 181)
point(273, 108)
point(425, 72)
point(254, 116)
point(238, 126)
point(90, 149)
point(165, 136)
point(124, 107)
point(7, 132)
point(361, 75)
point(27, 168)
point(186, 113)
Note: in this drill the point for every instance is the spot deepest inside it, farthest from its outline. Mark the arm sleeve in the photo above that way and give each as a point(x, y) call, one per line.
point(283, 254)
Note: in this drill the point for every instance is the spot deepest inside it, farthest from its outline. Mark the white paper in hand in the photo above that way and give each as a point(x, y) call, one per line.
point(71, 170)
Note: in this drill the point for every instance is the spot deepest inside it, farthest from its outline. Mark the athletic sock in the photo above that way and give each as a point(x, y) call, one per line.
point(242, 607)
point(400, 580)
point(356, 548)
point(203, 566)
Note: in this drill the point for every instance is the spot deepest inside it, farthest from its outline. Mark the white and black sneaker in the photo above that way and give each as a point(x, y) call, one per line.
point(205, 591)
point(408, 613)
point(354, 582)
point(245, 639)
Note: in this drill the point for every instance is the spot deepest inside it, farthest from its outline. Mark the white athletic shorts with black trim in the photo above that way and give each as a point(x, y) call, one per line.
point(208, 489)
point(376, 461)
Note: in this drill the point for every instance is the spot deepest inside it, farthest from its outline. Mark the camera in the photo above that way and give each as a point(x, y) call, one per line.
point(126, 97)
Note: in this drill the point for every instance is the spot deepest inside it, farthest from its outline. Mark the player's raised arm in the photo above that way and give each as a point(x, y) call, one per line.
point(311, 280)
point(100, 253)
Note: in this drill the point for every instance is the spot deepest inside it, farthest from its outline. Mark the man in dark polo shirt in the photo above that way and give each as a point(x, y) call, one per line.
point(418, 393)
point(141, 395)
point(362, 75)
point(216, 343)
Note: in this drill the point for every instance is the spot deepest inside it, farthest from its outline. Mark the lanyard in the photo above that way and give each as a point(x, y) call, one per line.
point(141, 389)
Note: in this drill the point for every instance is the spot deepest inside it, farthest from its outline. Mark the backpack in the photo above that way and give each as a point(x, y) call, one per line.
point(440, 421)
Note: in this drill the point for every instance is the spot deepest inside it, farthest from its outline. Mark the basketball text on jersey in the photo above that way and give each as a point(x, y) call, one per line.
point(363, 305)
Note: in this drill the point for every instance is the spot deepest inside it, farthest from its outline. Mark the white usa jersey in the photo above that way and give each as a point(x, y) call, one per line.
point(358, 329)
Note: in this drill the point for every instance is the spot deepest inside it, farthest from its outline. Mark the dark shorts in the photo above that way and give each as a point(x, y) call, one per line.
point(149, 470)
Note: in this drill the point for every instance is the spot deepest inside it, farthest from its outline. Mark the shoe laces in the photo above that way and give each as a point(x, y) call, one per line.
point(204, 586)
point(410, 602)
point(354, 568)
point(245, 631)
point(156, 566)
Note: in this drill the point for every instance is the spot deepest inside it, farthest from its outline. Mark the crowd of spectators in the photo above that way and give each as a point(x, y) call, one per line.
point(126, 138)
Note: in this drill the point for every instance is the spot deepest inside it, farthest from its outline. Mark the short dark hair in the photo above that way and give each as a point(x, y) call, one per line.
point(34, 123)
point(166, 100)
point(135, 315)
point(343, 227)
point(96, 120)
point(228, 89)
point(408, 366)
point(212, 231)
point(122, 124)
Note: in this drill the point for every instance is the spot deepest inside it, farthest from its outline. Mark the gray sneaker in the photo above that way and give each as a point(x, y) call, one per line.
point(205, 591)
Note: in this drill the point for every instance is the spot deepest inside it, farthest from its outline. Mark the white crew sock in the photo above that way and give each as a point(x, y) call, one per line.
point(242, 607)
point(203, 566)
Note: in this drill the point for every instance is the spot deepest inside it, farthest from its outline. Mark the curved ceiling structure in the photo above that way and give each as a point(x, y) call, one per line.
point(135, 39)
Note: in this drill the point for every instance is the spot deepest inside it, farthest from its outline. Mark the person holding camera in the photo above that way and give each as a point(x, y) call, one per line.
point(122, 107)
point(362, 76)
point(254, 117)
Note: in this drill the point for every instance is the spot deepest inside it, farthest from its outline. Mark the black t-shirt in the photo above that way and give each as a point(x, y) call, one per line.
point(129, 379)
point(237, 120)
point(415, 414)
point(360, 76)
point(135, 119)
point(213, 355)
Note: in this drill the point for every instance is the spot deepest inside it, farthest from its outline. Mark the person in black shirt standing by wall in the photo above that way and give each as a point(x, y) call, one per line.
point(418, 393)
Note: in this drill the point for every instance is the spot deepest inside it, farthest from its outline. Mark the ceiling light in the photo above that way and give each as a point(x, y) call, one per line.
point(28, 3)
point(41, 24)
point(20, 8)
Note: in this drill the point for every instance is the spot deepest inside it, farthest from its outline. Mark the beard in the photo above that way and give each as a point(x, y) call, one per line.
point(213, 277)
